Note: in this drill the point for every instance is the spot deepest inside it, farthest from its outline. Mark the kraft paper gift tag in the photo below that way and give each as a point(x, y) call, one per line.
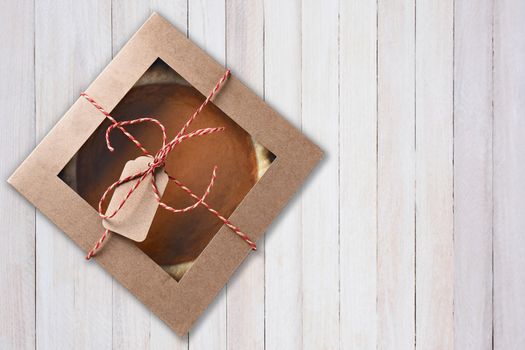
point(135, 217)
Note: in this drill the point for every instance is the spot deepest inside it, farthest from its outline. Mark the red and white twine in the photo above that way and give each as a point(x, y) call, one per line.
point(158, 161)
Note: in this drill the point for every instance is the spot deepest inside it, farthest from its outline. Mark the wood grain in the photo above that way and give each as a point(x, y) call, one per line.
point(396, 175)
point(320, 98)
point(473, 175)
point(17, 138)
point(434, 174)
point(509, 172)
point(69, 290)
point(358, 174)
point(207, 28)
point(245, 291)
point(283, 243)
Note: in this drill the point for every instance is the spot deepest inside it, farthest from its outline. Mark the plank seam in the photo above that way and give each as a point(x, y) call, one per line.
point(453, 96)
point(377, 169)
point(415, 174)
point(339, 165)
point(492, 172)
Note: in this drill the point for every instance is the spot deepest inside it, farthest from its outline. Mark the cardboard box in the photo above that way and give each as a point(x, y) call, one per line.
point(40, 178)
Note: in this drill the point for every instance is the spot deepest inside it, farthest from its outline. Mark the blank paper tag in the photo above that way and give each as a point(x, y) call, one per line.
point(134, 219)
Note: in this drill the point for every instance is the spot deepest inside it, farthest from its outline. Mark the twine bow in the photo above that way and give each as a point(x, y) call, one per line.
point(158, 162)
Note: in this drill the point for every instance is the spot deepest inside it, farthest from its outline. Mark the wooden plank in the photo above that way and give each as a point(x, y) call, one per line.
point(17, 138)
point(358, 171)
point(321, 198)
point(207, 28)
point(131, 319)
point(73, 44)
point(245, 291)
point(434, 174)
point(473, 175)
point(282, 87)
point(133, 324)
point(161, 336)
point(396, 175)
point(509, 172)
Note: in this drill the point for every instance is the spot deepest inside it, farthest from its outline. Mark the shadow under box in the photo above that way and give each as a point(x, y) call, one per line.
point(174, 241)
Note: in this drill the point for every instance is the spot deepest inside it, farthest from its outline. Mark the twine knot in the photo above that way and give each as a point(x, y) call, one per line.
point(159, 160)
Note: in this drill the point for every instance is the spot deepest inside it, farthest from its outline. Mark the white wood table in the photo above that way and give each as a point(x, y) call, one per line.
point(410, 234)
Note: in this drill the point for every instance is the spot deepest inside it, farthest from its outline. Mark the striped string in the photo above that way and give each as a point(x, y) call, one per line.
point(158, 161)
